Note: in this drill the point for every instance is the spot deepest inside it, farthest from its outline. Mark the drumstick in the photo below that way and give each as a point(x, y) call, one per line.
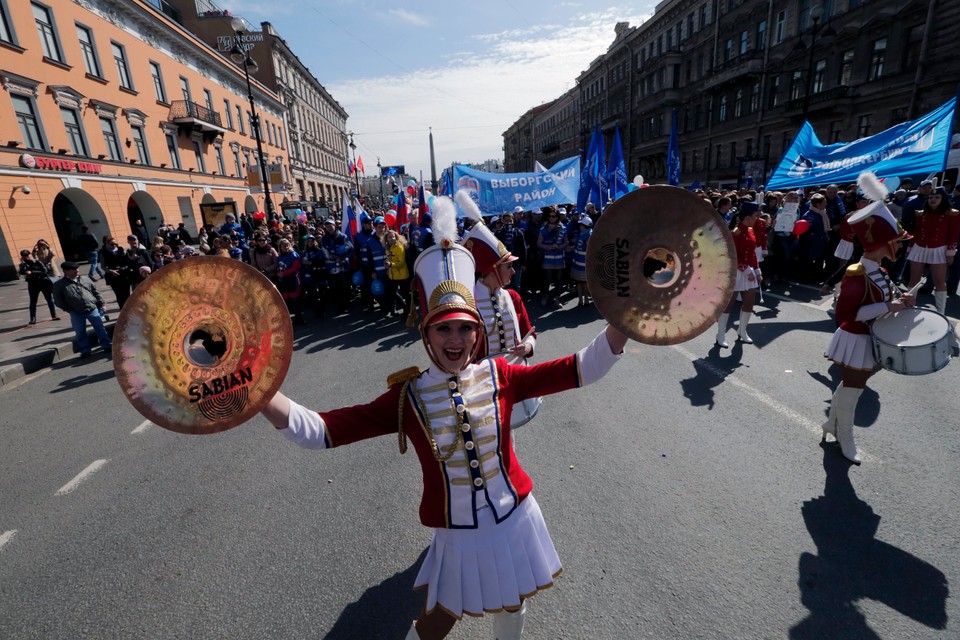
point(913, 290)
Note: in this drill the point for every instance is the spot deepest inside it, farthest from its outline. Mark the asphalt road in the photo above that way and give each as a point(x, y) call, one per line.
point(687, 494)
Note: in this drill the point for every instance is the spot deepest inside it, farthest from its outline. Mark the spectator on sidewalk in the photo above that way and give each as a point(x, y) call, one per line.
point(43, 253)
point(38, 281)
point(78, 295)
point(88, 246)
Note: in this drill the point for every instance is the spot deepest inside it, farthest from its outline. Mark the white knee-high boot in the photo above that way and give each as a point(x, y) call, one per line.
point(509, 626)
point(940, 300)
point(722, 330)
point(830, 426)
point(412, 634)
point(846, 401)
point(742, 329)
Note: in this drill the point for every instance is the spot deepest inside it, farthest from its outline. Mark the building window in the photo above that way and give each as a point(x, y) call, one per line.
point(140, 142)
point(722, 114)
point(878, 58)
point(738, 103)
point(762, 35)
point(240, 120)
point(283, 145)
point(26, 111)
point(863, 126)
point(728, 49)
point(47, 29)
point(227, 109)
point(774, 97)
point(236, 162)
point(7, 33)
point(110, 138)
point(220, 168)
point(71, 122)
point(209, 98)
point(185, 89)
point(123, 69)
point(733, 152)
point(198, 152)
point(818, 72)
point(174, 150)
point(158, 87)
point(911, 57)
point(754, 98)
point(90, 58)
point(846, 68)
point(780, 31)
point(796, 80)
point(703, 16)
point(835, 128)
point(744, 41)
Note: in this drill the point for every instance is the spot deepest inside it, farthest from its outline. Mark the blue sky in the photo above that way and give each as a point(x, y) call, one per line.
point(468, 70)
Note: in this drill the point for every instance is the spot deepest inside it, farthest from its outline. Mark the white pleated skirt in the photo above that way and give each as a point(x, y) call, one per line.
point(743, 280)
point(853, 350)
point(844, 250)
point(490, 568)
point(928, 255)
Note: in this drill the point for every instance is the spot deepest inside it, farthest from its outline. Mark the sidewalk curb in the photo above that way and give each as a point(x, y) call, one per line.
point(44, 359)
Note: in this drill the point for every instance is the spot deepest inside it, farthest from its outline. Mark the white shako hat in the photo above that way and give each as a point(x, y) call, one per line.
point(444, 274)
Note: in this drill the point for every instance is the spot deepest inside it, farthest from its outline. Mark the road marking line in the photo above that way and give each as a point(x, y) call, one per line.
point(143, 427)
point(6, 537)
point(779, 407)
point(83, 475)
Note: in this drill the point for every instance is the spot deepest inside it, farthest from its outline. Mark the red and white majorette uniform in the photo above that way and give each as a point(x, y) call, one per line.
point(865, 291)
point(935, 236)
point(490, 545)
point(761, 235)
point(844, 250)
point(746, 244)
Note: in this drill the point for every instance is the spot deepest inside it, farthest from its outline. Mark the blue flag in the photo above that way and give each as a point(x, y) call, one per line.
point(673, 153)
point(916, 147)
point(617, 176)
point(600, 172)
point(588, 181)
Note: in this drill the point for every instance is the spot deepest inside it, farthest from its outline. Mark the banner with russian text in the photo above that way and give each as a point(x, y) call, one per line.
point(499, 192)
point(916, 147)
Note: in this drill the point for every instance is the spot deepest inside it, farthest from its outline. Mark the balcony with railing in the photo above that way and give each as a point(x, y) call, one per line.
point(750, 63)
point(837, 97)
point(196, 116)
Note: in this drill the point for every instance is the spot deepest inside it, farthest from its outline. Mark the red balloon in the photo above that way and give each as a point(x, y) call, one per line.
point(800, 227)
point(390, 218)
point(411, 190)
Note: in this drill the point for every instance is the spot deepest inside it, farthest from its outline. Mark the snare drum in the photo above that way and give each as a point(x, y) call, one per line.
point(525, 410)
point(912, 341)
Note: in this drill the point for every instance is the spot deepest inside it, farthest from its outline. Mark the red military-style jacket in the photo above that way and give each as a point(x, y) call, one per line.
point(857, 290)
point(937, 230)
point(746, 244)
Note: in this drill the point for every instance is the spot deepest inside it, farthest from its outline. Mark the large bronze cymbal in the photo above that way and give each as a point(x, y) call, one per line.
point(202, 345)
point(661, 265)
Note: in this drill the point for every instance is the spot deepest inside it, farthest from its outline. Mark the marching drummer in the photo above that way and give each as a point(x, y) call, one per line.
point(866, 293)
point(935, 238)
point(505, 317)
point(490, 550)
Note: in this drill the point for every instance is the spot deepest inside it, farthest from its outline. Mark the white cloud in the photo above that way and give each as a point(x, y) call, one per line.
point(473, 98)
point(409, 17)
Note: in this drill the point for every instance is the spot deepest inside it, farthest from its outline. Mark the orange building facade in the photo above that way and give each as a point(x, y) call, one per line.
point(111, 113)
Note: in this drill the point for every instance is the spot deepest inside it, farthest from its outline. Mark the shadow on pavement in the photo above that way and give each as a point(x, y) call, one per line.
point(851, 564)
point(868, 408)
point(383, 611)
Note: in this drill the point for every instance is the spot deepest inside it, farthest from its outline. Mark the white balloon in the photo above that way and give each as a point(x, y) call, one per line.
point(638, 180)
point(892, 183)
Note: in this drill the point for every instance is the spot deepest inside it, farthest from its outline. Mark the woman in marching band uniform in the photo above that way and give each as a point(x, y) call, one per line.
point(866, 293)
point(935, 244)
point(748, 273)
point(490, 549)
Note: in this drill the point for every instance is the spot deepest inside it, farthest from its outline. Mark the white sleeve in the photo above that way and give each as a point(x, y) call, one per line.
point(305, 428)
point(870, 311)
point(596, 359)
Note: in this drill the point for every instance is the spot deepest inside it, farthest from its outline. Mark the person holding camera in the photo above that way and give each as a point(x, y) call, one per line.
point(38, 280)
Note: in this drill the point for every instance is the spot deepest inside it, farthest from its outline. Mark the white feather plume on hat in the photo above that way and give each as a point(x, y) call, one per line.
point(871, 186)
point(467, 205)
point(444, 220)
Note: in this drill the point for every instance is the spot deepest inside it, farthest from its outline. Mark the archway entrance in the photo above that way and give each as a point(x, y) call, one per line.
point(73, 208)
point(250, 206)
point(141, 206)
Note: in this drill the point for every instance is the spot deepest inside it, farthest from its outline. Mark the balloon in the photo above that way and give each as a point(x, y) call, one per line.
point(376, 288)
point(390, 218)
point(892, 183)
point(411, 190)
point(638, 180)
point(259, 215)
point(411, 183)
point(302, 218)
point(430, 200)
point(644, 185)
point(800, 228)
point(357, 279)
point(632, 187)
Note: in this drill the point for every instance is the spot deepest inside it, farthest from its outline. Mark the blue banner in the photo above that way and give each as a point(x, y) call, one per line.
point(916, 147)
point(617, 170)
point(496, 193)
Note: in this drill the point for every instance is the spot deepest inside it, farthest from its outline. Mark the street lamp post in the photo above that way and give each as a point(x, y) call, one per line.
point(380, 180)
point(356, 172)
point(242, 57)
point(815, 14)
